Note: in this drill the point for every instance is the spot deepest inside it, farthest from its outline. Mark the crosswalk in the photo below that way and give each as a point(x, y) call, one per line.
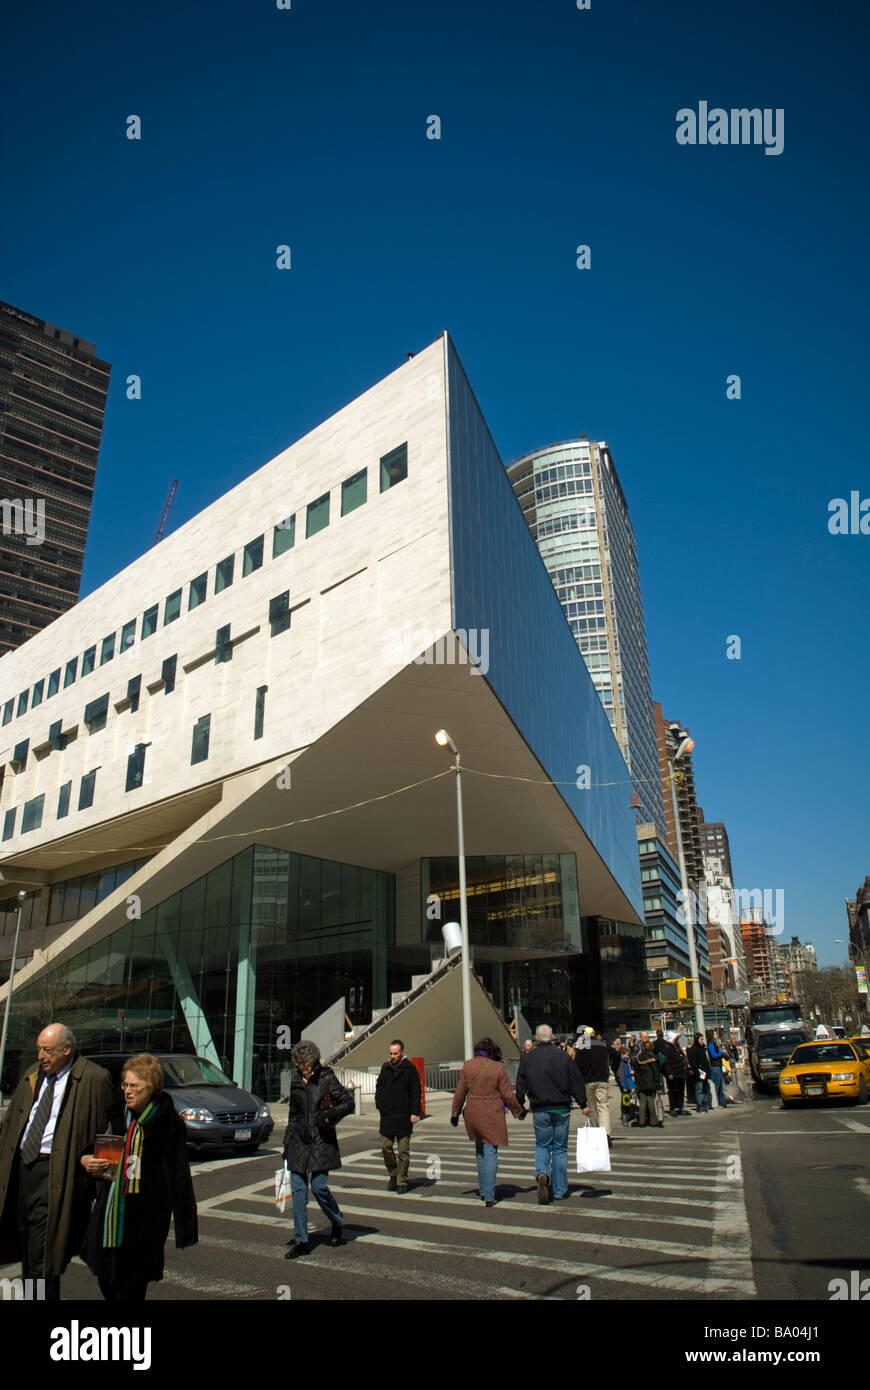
point(669, 1220)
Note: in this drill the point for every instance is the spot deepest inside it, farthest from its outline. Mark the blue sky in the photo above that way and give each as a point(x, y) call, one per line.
point(308, 127)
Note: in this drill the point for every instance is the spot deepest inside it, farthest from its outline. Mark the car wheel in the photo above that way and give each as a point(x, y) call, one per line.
point(789, 1104)
point(863, 1095)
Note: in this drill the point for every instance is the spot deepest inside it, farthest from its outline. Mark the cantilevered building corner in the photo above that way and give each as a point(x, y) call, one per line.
point(227, 806)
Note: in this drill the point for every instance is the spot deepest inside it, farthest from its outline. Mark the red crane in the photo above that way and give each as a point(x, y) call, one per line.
point(166, 510)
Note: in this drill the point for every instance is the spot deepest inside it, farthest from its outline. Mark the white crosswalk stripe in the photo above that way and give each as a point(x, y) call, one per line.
point(617, 1228)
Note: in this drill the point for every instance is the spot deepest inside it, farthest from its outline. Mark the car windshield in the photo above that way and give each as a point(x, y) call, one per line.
point(823, 1052)
point(775, 1042)
point(787, 1014)
point(192, 1071)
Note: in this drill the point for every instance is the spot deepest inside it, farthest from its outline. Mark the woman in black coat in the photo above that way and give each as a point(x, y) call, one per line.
point(150, 1185)
point(317, 1102)
point(700, 1068)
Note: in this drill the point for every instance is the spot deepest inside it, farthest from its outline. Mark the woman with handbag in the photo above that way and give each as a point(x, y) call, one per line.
point(317, 1102)
point(488, 1095)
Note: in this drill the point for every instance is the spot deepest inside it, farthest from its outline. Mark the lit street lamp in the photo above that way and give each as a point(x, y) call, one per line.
point(443, 739)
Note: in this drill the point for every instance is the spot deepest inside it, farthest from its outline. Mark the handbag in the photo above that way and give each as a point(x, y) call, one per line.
point(660, 1109)
point(282, 1187)
point(593, 1150)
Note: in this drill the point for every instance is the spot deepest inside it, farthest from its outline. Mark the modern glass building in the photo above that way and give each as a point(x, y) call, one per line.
point(53, 391)
point(234, 814)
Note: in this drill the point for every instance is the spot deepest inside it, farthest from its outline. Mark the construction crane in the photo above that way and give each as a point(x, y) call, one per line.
point(166, 510)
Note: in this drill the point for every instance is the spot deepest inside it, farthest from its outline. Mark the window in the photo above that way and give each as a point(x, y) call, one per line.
point(394, 467)
point(88, 661)
point(23, 700)
point(167, 674)
point(279, 612)
point(318, 515)
point(198, 590)
point(37, 694)
point(86, 790)
point(7, 711)
point(31, 818)
point(135, 768)
point(149, 621)
point(9, 824)
point(63, 800)
point(53, 684)
point(128, 634)
point(283, 536)
point(172, 608)
point(223, 575)
point(134, 686)
point(107, 649)
point(55, 737)
point(71, 669)
point(199, 748)
point(94, 717)
point(223, 645)
point(253, 556)
point(353, 492)
point(18, 761)
point(260, 711)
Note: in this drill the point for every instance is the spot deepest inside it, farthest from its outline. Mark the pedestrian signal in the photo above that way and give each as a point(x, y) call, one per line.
point(675, 991)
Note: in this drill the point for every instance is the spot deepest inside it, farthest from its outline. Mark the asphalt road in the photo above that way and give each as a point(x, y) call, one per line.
point(746, 1204)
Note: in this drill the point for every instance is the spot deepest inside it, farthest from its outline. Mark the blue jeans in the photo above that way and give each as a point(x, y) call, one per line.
point(719, 1082)
point(325, 1200)
point(487, 1167)
point(702, 1096)
point(551, 1148)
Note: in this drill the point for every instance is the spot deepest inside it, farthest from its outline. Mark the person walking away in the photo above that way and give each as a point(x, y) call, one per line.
point(549, 1078)
point(318, 1102)
point(397, 1098)
point(591, 1060)
point(699, 1061)
point(487, 1094)
point(648, 1080)
point(150, 1186)
point(45, 1193)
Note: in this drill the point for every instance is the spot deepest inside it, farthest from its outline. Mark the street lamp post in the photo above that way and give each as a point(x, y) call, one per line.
point(685, 745)
point(443, 739)
point(21, 896)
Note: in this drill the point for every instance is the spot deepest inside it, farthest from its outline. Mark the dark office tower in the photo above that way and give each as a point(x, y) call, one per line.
point(687, 801)
point(576, 510)
point(52, 400)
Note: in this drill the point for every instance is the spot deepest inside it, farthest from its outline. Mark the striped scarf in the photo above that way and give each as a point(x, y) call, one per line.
point(127, 1178)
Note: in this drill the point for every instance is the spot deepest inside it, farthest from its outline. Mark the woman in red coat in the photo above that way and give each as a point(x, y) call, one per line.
point(488, 1095)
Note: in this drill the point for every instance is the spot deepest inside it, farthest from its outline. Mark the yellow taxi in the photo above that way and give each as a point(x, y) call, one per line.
point(836, 1068)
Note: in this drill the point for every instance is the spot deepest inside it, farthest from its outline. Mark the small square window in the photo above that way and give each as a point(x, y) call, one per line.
point(198, 590)
point(149, 621)
point(128, 635)
point(279, 613)
point(63, 800)
point(253, 556)
point(353, 492)
point(94, 718)
point(167, 674)
point(86, 790)
point(8, 709)
point(172, 608)
point(18, 761)
point(134, 686)
point(37, 694)
point(283, 536)
point(70, 673)
point(55, 736)
point(223, 575)
point(9, 824)
point(31, 818)
point(53, 684)
point(107, 650)
point(88, 661)
point(23, 701)
point(135, 768)
point(223, 645)
point(201, 733)
point(317, 517)
point(394, 467)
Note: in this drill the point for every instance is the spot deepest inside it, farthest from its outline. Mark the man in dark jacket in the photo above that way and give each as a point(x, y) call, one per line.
point(591, 1060)
point(45, 1193)
point(550, 1078)
point(674, 1068)
point(397, 1098)
point(647, 1080)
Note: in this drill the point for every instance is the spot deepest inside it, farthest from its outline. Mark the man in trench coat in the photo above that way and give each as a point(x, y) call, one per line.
point(45, 1194)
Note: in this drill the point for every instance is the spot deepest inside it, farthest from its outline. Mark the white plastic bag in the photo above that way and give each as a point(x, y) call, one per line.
point(282, 1187)
point(593, 1150)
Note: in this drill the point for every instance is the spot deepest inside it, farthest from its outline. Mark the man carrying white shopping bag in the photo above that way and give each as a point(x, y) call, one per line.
point(593, 1154)
point(593, 1063)
point(549, 1078)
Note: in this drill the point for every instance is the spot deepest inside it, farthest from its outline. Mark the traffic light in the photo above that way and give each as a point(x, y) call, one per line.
point(676, 991)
